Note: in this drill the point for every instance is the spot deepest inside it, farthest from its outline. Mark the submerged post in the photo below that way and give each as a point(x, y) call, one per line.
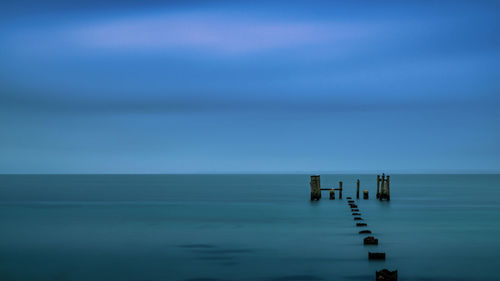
point(378, 186)
point(332, 194)
point(357, 189)
point(340, 189)
point(315, 187)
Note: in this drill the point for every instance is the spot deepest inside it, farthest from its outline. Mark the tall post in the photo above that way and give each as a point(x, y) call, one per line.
point(388, 189)
point(315, 187)
point(378, 186)
point(340, 189)
point(357, 189)
point(382, 183)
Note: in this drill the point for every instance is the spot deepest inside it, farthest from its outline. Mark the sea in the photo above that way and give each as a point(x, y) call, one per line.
point(245, 227)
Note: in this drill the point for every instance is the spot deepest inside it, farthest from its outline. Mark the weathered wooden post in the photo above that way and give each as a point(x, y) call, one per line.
point(376, 256)
point(340, 189)
point(332, 194)
point(378, 186)
point(365, 194)
point(357, 189)
point(382, 182)
point(385, 192)
point(386, 275)
point(315, 187)
point(388, 189)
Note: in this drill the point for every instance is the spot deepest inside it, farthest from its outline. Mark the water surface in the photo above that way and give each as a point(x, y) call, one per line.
point(244, 227)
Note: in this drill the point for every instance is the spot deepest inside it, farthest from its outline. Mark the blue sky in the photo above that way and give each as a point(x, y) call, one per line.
point(245, 86)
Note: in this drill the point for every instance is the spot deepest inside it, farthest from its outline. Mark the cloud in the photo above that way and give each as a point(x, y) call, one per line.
point(214, 32)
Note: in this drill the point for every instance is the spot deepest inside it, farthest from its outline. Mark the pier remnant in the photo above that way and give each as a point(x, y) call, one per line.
point(378, 186)
point(356, 214)
point(361, 224)
point(386, 275)
point(332, 194)
point(358, 218)
point(365, 232)
point(385, 191)
point(315, 187)
point(340, 189)
point(365, 194)
point(370, 240)
point(376, 256)
point(357, 189)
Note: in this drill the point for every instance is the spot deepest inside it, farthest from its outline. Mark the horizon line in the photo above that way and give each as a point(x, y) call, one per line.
point(455, 172)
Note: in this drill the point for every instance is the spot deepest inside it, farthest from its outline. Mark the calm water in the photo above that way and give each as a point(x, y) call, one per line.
point(244, 227)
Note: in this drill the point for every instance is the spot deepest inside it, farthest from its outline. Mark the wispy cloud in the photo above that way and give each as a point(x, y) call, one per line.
point(214, 33)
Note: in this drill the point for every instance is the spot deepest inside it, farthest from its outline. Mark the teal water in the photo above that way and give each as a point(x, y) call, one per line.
point(244, 227)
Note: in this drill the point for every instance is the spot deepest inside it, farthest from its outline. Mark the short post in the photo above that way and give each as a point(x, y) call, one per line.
point(365, 194)
point(357, 190)
point(340, 189)
point(386, 275)
point(378, 186)
point(315, 187)
point(332, 194)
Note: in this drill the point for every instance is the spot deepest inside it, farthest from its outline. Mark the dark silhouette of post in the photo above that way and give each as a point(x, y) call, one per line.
point(357, 189)
point(315, 187)
point(378, 186)
point(332, 194)
point(388, 189)
point(340, 190)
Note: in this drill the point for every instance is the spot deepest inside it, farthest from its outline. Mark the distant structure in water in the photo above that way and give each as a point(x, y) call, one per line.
point(316, 189)
point(383, 188)
point(383, 193)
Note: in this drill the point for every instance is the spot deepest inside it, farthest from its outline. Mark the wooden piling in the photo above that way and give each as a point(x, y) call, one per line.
point(370, 240)
point(385, 188)
point(386, 275)
point(382, 181)
point(365, 194)
point(357, 189)
point(340, 189)
point(378, 186)
point(332, 194)
point(388, 189)
point(376, 256)
point(315, 187)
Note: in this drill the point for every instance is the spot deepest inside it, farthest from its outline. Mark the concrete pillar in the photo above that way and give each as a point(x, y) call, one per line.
point(315, 187)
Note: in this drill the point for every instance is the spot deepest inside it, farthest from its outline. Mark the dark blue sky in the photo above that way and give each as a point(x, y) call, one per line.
point(246, 86)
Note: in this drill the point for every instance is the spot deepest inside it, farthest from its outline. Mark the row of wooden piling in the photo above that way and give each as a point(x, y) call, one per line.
point(383, 193)
point(383, 274)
